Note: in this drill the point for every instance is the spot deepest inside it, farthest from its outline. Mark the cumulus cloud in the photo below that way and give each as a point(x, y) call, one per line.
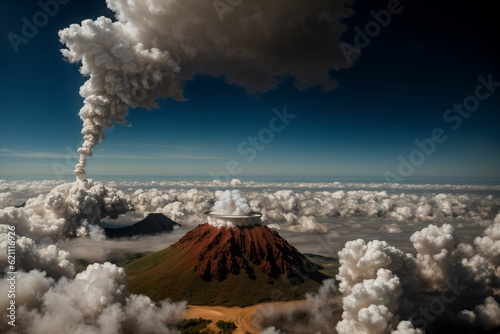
point(302, 211)
point(95, 301)
point(152, 47)
point(360, 260)
point(231, 203)
point(51, 295)
point(6, 200)
point(488, 246)
point(387, 291)
point(488, 314)
point(22, 190)
point(65, 209)
point(371, 304)
point(406, 327)
point(68, 210)
point(395, 188)
point(305, 211)
point(32, 255)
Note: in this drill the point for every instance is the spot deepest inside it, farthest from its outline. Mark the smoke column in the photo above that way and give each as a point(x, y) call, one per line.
point(154, 46)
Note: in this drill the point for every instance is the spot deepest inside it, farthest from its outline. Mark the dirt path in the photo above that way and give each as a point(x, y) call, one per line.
point(246, 318)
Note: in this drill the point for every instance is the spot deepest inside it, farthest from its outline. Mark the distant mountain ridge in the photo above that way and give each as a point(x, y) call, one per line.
point(154, 223)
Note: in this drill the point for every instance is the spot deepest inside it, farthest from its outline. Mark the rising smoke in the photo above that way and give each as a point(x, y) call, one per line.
point(154, 46)
point(230, 202)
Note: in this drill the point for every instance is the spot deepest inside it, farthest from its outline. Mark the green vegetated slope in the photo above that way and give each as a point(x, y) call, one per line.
point(164, 275)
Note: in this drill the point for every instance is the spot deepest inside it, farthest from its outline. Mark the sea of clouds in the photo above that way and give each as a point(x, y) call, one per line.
point(449, 233)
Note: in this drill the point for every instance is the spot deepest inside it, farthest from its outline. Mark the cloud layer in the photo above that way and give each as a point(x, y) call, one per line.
point(95, 301)
point(51, 297)
point(443, 280)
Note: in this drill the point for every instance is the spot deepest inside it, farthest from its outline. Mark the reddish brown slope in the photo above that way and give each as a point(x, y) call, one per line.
point(215, 252)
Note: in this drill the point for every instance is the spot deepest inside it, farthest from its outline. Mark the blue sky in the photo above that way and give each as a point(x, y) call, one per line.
point(427, 59)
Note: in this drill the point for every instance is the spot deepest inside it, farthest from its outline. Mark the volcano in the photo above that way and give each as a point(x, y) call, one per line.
point(236, 266)
point(154, 223)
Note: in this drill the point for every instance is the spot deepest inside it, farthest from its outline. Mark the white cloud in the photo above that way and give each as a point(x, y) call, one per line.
point(31, 154)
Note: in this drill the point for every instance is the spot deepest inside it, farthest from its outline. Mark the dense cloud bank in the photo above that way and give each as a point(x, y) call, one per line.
point(95, 301)
point(304, 211)
point(51, 297)
point(239, 184)
point(68, 210)
point(443, 281)
point(444, 286)
point(383, 286)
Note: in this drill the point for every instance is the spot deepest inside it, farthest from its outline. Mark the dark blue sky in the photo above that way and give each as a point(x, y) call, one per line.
point(428, 58)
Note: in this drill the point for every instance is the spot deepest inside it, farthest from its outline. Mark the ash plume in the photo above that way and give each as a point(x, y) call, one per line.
point(153, 47)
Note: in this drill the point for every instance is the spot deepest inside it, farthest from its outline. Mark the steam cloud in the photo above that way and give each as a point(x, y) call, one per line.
point(233, 204)
point(155, 46)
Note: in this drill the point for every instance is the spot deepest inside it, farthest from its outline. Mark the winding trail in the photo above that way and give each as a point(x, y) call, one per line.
point(246, 319)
